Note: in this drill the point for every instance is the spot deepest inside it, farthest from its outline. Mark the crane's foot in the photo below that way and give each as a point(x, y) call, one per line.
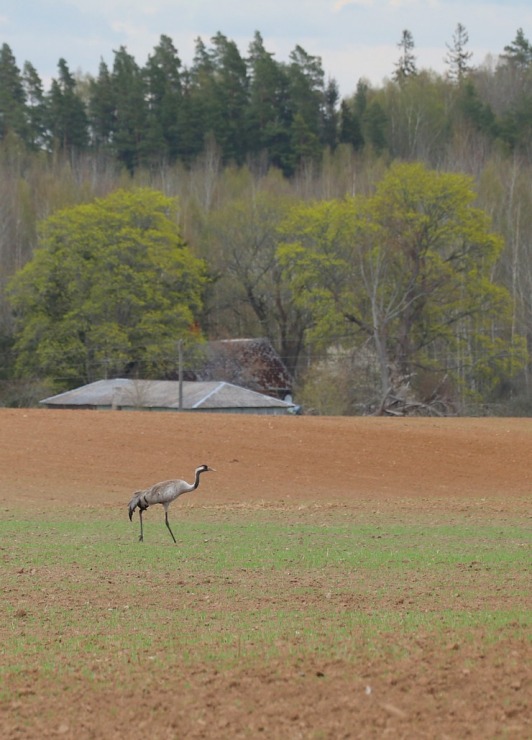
point(141, 538)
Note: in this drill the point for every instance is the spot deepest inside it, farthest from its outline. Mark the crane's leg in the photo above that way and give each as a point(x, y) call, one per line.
point(141, 538)
point(168, 525)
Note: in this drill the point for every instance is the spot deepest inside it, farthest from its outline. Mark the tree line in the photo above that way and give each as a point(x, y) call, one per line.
point(280, 114)
point(286, 218)
point(163, 112)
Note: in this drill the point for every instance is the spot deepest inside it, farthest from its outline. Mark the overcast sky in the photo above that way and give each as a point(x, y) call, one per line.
point(354, 38)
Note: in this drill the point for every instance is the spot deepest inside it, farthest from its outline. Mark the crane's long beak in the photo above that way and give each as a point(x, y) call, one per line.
point(212, 470)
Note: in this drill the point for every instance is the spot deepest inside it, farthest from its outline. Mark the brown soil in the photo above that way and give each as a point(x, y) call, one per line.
point(295, 465)
point(99, 458)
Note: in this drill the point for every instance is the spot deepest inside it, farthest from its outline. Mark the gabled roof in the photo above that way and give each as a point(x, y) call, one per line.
point(164, 394)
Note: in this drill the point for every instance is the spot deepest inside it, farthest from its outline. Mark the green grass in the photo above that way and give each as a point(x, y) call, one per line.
point(82, 595)
point(263, 544)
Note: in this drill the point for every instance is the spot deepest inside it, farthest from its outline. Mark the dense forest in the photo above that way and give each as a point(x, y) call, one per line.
point(382, 241)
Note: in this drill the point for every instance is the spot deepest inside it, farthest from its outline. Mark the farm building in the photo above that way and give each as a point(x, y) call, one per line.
point(163, 395)
point(248, 363)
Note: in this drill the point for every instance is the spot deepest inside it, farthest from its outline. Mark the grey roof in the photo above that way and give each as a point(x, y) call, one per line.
point(164, 394)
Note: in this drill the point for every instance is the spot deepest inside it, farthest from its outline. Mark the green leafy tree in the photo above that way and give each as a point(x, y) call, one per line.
point(111, 286)
point(409, 269)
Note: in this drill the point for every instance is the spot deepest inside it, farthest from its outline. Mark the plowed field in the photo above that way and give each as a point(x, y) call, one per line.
point(334, 578)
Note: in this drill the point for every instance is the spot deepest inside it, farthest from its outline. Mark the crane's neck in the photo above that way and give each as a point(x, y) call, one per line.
point(196, 480)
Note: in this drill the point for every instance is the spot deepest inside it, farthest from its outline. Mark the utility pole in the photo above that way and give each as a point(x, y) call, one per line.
point(180, 366)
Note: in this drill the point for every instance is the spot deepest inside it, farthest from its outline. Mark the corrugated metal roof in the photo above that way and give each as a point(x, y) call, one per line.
point(164, 394)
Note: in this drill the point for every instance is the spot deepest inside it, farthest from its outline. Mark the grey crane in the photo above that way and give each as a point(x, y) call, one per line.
point(163, 493)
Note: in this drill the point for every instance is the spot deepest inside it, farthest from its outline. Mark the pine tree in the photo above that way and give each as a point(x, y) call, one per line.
point(475, 110)
point(130, 110)
point(200, 110)
point(35, 106)
point(13, 112)
point(458, 57)
point(307, 102)
point(519, 52)
point(162, 75)
point(350, 129)
point(269, 115)
point(191, 129)
point(330, 114)
point(230, 98)
point(66, 114)
point(517, 70)
point(406, 65)
point(102, 113)
point(375, 124)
